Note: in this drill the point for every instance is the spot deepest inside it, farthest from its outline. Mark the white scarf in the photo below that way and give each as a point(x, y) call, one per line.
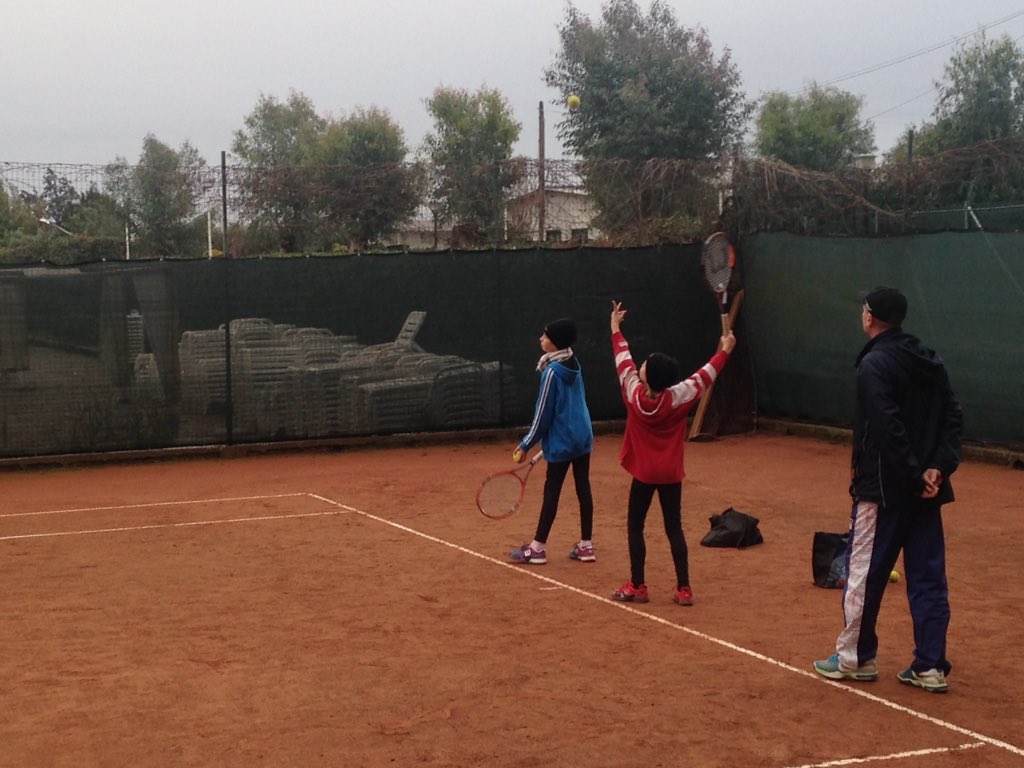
point(550, 357)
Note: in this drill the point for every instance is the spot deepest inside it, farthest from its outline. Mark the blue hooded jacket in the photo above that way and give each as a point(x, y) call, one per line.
point(561, 419)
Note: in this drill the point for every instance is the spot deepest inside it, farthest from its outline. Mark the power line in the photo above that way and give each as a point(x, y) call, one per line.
point(922, 52)
point(916, 54)
point(903, 103)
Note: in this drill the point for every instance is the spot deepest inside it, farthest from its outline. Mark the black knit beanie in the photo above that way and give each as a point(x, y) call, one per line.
point(662, 371)
point(562, 332)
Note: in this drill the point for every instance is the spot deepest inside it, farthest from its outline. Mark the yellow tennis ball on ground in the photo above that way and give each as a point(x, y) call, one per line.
point(894, 576)
point(573, 102)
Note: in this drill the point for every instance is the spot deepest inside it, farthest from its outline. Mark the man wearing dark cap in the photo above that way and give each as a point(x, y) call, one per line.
point(907, 431)
point(888, 305)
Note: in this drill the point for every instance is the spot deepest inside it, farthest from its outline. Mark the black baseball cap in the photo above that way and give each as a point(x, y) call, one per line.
point(887, 304)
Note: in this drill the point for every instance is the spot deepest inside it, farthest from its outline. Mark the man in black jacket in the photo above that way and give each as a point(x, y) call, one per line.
point(906, 443)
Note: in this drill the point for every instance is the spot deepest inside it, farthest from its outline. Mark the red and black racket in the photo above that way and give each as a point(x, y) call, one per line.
point(718, 257)
point(500, 494)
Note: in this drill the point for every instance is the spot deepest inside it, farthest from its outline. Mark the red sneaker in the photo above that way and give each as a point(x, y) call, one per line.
point(683, 596)
point(627, 593)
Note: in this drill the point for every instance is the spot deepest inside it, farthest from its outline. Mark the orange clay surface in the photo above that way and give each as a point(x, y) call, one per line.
point(352, 608)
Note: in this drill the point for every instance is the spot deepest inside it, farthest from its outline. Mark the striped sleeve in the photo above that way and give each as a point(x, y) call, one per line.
point(692, 387)
point(625, 368)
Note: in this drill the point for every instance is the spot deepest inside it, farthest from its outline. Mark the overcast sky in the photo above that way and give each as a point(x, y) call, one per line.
point(85, 82)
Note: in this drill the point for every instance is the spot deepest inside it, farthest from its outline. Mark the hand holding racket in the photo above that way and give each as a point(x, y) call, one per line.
point(718, 257)
point(500, 494)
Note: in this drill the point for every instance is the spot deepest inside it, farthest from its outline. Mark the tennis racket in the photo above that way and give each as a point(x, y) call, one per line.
point(718, 257)
point(500, 494)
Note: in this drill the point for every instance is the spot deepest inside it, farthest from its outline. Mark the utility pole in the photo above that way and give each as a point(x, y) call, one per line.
point(541, 194)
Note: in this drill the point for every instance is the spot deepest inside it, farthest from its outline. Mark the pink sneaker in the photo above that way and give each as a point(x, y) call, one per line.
point(527, 554)
point(627, 593)
point(585, 554)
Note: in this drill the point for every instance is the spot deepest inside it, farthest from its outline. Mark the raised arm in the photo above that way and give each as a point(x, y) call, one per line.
point(618, 315)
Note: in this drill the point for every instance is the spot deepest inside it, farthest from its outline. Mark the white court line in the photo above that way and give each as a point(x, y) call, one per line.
point(896, 756)
point(191, 524)
point(846, 688)
point(148, 505)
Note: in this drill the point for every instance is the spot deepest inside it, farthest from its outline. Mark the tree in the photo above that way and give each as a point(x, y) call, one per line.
point(982, 96)
point(366, 186)
point(91, 213)
point(821, 129)
point(59, 197)
point(980, 99)
point(277, 194)
point(59, 225)
point(159, 196)
point(970, 151)
point(650, 90)
point(6, 215)
point(470, 153)
point(97, 214)
point(648, 86)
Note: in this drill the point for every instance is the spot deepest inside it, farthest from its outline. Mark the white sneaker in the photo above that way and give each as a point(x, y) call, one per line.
point(932, 680)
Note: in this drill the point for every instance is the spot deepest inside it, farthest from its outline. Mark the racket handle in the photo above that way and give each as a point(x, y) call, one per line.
point(725, 324)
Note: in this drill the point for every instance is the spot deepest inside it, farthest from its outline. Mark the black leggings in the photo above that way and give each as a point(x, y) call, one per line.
point(671, 497)
point(557, 470)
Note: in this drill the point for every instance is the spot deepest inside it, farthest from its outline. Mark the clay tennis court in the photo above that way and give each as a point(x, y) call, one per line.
point(351, 607)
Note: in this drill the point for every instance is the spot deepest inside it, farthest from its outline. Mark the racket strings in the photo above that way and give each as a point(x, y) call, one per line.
point(716, 259)
point(500, 495)
point(718, 278)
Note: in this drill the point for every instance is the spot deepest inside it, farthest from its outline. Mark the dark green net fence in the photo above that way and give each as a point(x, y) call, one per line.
point(147, 355)
point(116, 356)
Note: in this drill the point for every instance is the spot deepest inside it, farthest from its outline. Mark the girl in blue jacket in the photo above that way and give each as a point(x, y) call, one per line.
point(561, 424)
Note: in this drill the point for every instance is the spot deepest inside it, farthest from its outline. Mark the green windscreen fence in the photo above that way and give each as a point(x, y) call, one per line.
point(137, 355)
point(965, 300)
point(144, 355)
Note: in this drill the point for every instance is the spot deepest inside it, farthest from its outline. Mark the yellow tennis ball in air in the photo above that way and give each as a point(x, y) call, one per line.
point(573, 102)
point(894, 576)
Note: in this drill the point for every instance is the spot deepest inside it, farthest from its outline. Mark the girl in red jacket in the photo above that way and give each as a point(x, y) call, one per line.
point(657, 404)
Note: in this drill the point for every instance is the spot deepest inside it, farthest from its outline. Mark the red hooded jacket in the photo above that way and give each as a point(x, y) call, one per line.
point(652, 448)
